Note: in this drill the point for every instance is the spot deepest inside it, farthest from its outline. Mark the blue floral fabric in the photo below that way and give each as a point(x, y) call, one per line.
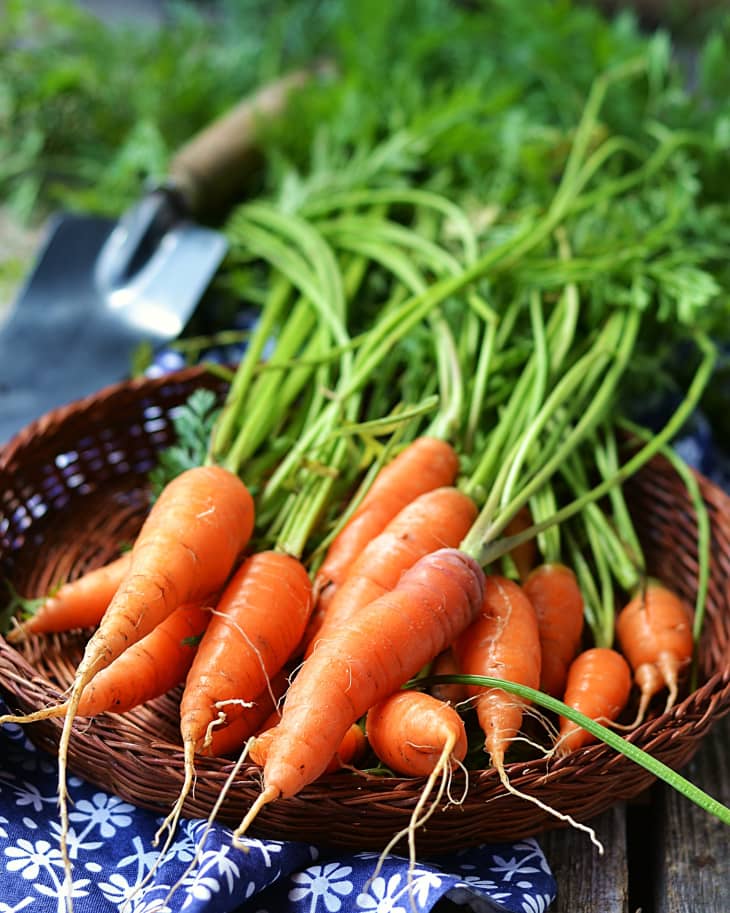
point(116, 868)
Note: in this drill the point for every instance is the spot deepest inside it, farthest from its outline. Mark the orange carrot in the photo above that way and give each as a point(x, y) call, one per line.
point(424, 464)
point(446, 664)
point(654, 631)
point(436, 519)
point(414, 733)
point(80, 603)
point(352, 746)
point(230, 737)
point(599, 683)
point(503, 642)
point(256, 625)
point(383, 646)
point(185, 551)
point(558, 602)
point(151, 667)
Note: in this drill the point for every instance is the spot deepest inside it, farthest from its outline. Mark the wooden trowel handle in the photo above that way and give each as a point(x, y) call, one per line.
point(212, 168)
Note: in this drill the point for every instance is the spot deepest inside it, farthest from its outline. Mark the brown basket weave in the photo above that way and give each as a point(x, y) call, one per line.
point(73, 488)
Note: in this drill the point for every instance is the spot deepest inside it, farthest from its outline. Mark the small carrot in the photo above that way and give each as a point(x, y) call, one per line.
point(446, 664)
point(654, 632)
point(426, 463)
point(503, 642)
point(389, 641)
point(598, 685)
point(436, 519)
point(79, 603)
point(414, 733)
point(556, 597)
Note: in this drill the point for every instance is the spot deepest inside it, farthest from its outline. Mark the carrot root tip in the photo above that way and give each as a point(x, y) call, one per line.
point(268, 794)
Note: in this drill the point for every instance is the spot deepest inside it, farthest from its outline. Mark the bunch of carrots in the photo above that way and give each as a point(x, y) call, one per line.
point(406, 527)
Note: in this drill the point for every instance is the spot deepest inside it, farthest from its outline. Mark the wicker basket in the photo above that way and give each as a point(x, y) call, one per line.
point(73, 487)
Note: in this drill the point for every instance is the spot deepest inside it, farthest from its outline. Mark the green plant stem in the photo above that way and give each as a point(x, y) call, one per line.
point(655, 767)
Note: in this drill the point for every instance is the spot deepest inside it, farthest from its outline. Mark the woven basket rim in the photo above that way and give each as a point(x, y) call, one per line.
point(342, 800)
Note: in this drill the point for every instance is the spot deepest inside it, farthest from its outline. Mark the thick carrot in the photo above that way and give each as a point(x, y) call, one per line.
point(414, 733)
point(389, 641)
point(558, 602)
point(654, 632)
point(599, 683)
point(424, 464)
point(436, 519)
point(186, 549)
point(151, 667)
point(79, 603)
point(503, 642)
point(256, 625)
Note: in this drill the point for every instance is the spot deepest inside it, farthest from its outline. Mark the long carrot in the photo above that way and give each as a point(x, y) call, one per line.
point(186, 549)
point(654, 631)
point(426, 463)
point(387, 643)
point(79, 603)
point(150, 667)
point(435, 519)
point(258, 622)
point(558, 602)
point(503, 642)
point(598, 685)
point(256, 625)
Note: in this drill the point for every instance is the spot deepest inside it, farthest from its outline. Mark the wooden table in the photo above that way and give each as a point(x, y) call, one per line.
point(662, 854)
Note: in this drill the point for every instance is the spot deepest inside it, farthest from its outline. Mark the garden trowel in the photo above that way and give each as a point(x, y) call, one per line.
point(100, 287)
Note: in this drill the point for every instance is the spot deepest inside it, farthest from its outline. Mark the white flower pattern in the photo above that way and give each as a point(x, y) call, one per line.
point(110, 847)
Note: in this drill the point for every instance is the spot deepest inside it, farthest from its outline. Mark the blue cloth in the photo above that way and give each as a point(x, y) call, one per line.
point(110, 844)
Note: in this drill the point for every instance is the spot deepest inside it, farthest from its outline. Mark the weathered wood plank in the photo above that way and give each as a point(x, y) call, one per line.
point(693, 868)
point(587, 881)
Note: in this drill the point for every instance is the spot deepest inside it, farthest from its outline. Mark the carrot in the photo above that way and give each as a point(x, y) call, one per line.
point(256, 625)
point(79, 603)
point(258, 622)
point(446, 664)
point(186, 549)
point(436, 519)
point(352, 746)
point(426, 463)
point(599, 683)
point(654, 632)
point(503, 642)
point(417, 735)
point(383, 646)
point(151, 667)
point(230, 736)
point(558, 602)
point(414, 733)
